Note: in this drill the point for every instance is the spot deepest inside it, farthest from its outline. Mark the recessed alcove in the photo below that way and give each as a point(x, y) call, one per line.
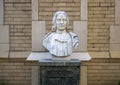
point(38, 51)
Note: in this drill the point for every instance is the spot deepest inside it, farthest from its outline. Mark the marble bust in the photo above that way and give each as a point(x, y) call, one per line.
point(60, 42)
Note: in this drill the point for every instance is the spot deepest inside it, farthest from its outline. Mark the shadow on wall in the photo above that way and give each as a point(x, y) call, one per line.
point(119, 82)
point(2, 82)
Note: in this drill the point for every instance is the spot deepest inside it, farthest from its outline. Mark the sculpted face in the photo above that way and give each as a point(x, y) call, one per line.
point(61, 22)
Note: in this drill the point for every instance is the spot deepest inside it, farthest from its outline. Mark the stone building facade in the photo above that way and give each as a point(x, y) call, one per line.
point(23, 23)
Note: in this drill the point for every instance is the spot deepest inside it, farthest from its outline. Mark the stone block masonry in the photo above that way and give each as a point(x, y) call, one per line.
point(48, 7)
point(15, 73)
point(18, 16)
point(96, 72)
point(101, 14)
point(1, 11)
point(103, 72)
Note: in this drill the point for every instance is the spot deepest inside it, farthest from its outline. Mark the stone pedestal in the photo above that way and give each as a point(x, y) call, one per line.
point(57, 72)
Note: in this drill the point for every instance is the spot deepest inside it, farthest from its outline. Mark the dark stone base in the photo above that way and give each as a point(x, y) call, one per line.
point(59, 72)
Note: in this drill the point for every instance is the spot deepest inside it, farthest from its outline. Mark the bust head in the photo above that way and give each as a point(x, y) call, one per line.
point(60, 21)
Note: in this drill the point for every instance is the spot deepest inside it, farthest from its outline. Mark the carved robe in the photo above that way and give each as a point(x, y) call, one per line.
point(60, 44)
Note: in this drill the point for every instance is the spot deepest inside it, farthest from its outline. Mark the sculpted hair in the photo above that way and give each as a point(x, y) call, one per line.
point(54, 26)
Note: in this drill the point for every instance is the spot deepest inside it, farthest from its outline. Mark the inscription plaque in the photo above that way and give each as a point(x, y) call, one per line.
point(59, 75)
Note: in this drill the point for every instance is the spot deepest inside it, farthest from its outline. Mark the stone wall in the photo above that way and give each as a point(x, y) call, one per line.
point(104, 69)
point(100, 16)
point(103, 72)
point(15, 73)
point(96, 72)
point(48, 7)
point(17, 14)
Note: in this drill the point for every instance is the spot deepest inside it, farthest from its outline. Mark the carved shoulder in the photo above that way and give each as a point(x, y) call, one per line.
point(75, 39)
point(47, 35)
point(73, 35)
